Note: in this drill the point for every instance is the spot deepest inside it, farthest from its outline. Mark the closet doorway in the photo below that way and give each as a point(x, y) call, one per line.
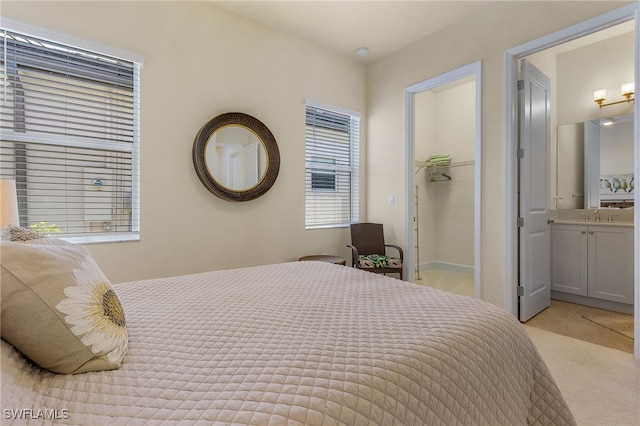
point(443, 181)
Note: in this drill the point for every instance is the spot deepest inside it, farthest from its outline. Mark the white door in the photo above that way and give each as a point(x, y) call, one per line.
point(534, 231)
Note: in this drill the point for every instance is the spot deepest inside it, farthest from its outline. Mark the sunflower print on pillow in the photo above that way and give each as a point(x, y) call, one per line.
point(95, 314)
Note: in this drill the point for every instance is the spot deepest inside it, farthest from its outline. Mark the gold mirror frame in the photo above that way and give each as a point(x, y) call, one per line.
point(266, 138)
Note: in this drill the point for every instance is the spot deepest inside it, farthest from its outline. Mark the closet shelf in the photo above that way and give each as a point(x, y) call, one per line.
point(423, 164)
point(436, 173)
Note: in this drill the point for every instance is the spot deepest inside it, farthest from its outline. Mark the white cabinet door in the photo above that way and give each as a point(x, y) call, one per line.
point(611, 263)
point(569, 259)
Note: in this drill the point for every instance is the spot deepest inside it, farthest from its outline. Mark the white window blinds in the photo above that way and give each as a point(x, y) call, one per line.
point(69, 136)
point(331, 164)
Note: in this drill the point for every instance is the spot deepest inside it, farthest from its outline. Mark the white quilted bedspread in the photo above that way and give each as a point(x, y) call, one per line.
point(301, 343)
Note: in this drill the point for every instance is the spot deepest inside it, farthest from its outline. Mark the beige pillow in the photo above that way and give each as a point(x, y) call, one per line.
point(59, 309)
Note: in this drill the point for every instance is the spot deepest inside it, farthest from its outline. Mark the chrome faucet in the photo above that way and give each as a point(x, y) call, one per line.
point(597, 214)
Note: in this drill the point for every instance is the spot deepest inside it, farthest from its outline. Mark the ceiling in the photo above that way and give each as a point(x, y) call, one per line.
point(384, 27)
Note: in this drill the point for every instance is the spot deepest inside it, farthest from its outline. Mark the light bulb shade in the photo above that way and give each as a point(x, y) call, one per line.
point(627, 88)
point(599, 95)
point(8, 204)
point(362, 51)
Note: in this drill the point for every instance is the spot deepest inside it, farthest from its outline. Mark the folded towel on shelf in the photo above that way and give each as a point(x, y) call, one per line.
point(439, 160)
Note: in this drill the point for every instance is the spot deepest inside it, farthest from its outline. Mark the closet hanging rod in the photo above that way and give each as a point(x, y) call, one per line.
point(423, 164)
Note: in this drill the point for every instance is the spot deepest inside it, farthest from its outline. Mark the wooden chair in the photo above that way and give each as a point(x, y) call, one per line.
point(368, 250)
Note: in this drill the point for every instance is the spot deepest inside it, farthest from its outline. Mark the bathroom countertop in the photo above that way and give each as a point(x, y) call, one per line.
point(592, 223)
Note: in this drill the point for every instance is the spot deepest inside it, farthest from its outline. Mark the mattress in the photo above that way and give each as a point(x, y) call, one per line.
point(299, 343)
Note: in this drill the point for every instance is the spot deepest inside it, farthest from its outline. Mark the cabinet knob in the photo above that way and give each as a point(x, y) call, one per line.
point(591, 232)
point(583, 232)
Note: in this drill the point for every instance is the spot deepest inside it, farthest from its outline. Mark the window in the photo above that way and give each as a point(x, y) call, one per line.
point(323, 179)
point(331, 163)
point(69, 136)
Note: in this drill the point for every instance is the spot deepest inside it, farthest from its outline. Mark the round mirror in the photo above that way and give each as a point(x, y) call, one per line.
point(236, 157)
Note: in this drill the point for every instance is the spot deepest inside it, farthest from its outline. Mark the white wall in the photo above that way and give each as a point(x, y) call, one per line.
point(201, 61)
point(606, 64)
point(602, 65)
point(484, 36)
point(445, 124)
point(574, 75)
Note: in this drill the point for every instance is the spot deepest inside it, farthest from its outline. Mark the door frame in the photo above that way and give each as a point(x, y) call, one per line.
point(472, 70)
point(511, 57)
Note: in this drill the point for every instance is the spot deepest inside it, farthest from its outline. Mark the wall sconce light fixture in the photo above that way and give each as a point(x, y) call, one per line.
point(626, 90)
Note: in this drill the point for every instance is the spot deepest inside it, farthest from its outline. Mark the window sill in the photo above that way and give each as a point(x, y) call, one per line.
point(103, 238)
point(339, 225)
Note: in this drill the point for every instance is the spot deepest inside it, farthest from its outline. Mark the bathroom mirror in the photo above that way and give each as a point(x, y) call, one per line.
point(570, 167)
point(595, 164)
point(236, 157)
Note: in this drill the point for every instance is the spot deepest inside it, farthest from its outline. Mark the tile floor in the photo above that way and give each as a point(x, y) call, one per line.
point(566, 319)
point(561, 317)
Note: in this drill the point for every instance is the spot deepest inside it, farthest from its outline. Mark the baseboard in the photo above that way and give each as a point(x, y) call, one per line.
point(448, 266)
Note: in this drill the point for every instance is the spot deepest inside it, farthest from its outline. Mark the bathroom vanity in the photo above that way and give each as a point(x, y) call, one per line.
point(592, 235)
point(592, 263)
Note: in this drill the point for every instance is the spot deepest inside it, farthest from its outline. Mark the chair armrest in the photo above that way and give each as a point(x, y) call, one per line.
point(397, 248)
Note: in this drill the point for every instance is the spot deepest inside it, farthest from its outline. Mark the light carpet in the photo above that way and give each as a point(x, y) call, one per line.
point(620, 323)
point(601, 385)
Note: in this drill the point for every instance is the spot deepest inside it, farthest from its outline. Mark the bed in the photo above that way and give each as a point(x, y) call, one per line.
point(299, 343)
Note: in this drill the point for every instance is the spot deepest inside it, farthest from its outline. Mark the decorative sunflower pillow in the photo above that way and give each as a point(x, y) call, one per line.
point(59, 309)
